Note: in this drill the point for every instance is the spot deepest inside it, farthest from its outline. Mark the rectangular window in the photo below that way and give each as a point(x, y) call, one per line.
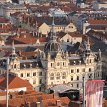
point(40, 73)
point(77, 77)
point(40, 81)
point(28, 74)
point(90, 60)
point(51, 64)
point(21, 75)
point(63, 64)
point(34, 73)
point(72, 71)
point(77, 70)
point(89, 69)
point(71, 78)
point(77, 85)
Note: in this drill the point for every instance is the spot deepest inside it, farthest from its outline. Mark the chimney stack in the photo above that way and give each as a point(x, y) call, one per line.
point(37, 104)
point(58, 103)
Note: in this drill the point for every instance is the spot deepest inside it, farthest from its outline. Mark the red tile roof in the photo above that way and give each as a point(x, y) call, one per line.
point(27, 38)
point(72, 34)
point(32, 97)
point(97, 22)
point(15, 82)
point(52, 102)
point(3, 20)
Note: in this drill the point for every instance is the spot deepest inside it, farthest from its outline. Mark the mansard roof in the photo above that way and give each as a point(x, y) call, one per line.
point(30, 64)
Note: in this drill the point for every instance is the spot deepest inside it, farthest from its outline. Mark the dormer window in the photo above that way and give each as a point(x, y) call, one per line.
point(30, 65)
point(79, 62)
point(74, 62)
point(24, 66)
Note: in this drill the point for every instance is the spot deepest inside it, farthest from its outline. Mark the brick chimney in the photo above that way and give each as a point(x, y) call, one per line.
point(37, 104)
point(58, 103)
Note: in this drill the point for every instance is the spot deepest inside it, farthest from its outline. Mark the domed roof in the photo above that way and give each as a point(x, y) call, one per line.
point(52, 46)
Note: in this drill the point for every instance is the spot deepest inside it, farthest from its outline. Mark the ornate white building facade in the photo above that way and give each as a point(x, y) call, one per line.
point(54, 66)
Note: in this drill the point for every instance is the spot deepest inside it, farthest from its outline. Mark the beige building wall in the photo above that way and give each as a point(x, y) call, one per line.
point(44, 29)
point(68, 38)
point(73, 74)
point(70, 28)
point(59, 71)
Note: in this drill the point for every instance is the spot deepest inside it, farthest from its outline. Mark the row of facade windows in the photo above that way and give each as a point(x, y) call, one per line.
point(28, 74)
point(58, 64)
point(90, 76)
point(40, 81)
point(83, 70)
point(58, 77)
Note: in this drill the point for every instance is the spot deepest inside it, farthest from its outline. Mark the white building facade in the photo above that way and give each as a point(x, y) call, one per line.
point(54, 66)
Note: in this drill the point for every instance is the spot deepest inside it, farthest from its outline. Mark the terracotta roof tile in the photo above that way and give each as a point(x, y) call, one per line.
point(3, 20)
point(72, 34)
point(12, 83)
point(52, 102)
point(97, 22)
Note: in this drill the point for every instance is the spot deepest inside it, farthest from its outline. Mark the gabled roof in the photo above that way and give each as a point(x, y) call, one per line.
point(72, 34)
point(14, 82)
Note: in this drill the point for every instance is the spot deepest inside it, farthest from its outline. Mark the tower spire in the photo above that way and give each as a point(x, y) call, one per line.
point(53, 33)
point(88, 44)
point(13, 48)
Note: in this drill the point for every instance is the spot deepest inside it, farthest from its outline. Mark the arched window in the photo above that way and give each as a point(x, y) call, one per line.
point(52, 76)
point(15, 66)
point(58, 76)
point(64, 75)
